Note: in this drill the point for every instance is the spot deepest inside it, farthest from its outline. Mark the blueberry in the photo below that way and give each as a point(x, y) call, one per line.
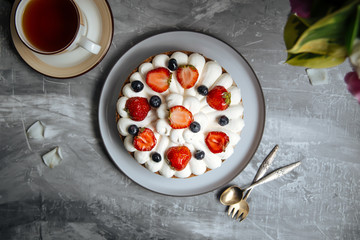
point(137, 86)
point(133, 129)
point(195, 127)
point(203, 90)
point(156, 157)
point(155, 101)
point(223, 120)
point(172, 65)
point(199, 154)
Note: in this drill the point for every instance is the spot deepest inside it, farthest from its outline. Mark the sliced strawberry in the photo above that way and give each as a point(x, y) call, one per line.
point(178, 157)
point(219, 98)
point(217, 141)
point(145, 140)
point(187, 75)
point(159, 79)
point(180, 117)
point(137, 108)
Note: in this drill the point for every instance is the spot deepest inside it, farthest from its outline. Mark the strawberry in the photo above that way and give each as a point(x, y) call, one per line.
point(187, 75)
point(145, 140)
point(178, 157)
point(137, 108)
point(217, 141)
point(219, 98)
point(159, 79)
point(180, 117)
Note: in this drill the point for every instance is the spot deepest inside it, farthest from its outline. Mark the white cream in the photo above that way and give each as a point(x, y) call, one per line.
point(210, 75)
point(192, 104)
point(163, 127)
point(197, 167)
point(174, 99)
point(177, 137)
point(125, 122)
point(197, 61)
point(211, 72)
point(181, 58)
point(160, 60)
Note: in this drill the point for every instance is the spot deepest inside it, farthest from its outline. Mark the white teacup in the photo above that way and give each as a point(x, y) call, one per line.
point(52, 27)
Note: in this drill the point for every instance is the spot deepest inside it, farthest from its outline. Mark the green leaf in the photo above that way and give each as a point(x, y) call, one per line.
point(308, 21)
point(311, 60)
point(293, 29)
point(354, 30)
point(327, 36)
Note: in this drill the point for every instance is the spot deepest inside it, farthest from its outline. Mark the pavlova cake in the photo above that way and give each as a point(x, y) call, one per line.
point(180, 114)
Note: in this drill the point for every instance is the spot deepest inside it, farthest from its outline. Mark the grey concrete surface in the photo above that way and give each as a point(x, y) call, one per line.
point(87, 197)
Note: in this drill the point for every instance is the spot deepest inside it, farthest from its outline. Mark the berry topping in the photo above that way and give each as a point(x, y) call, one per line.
point(195, 127)
point(203, 90)
point(145, 140)
point(172, 65)
point(137, 108)
point(187, 75)
point(159, 79)
point(180, 117)
point(217, 141)
point(133, 130)
point(223, 120)
point(155, 101)
point(219, 98)
point(156, 157)
point(178, 157)
point(137, 86)
point(199, 154)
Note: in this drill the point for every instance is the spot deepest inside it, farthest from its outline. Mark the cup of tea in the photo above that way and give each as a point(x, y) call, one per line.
point(52, 26)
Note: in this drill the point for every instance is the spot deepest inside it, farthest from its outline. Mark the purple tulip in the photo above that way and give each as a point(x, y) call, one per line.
point(353, 84)
point(302, 8)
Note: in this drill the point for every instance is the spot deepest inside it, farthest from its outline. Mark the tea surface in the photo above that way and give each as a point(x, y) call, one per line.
point(50, 25)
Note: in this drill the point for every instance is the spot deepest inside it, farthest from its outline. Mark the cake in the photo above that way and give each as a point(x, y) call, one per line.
point(180, 114)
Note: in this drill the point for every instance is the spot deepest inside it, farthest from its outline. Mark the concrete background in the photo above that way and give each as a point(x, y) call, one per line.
point(87, 197)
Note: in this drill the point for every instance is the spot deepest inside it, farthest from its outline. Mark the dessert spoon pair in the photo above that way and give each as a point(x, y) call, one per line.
point(234, 196)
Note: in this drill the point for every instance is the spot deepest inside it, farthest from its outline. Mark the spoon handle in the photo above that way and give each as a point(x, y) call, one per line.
point(274, 175)
point(263, 168)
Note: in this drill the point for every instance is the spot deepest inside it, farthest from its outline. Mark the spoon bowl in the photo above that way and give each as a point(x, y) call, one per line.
point(234, 194)
point(231, 195)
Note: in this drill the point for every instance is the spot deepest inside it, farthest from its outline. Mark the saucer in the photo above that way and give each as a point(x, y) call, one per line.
point(74, 63)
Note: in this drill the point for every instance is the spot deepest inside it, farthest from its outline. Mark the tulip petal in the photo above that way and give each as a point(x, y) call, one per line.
point(353, 84)
point(302, 8)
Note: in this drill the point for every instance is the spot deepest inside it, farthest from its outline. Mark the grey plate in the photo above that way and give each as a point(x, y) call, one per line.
point(234, 64)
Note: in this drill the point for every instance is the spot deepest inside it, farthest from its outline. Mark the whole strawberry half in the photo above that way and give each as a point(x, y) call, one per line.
point(178, 157)
point(187, 75)
point(180, 117)
point(219, 98)
point(217, 141)
point(137, 108)
point(145, 140)
point(159, 79)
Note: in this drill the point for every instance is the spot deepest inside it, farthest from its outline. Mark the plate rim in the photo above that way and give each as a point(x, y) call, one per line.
point(262, 106)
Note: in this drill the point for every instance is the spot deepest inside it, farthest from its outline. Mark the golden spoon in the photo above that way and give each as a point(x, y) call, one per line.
point(241, 209)
point(234, 194)
point(261, 172)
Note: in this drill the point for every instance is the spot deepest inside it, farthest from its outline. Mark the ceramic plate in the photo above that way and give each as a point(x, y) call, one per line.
point(70, 64)
point(234, 64)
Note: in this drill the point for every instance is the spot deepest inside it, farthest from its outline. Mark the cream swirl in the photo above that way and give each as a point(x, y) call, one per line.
point(210, 75)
